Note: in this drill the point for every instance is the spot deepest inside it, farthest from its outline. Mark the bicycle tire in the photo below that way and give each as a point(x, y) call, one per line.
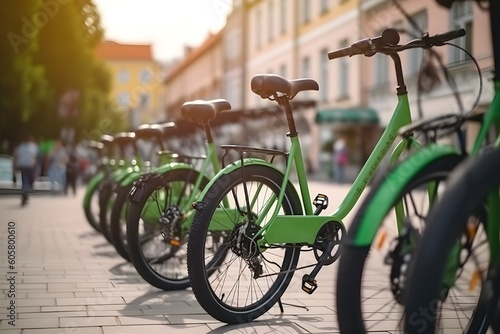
point(152, 272)
point(92, 209)
point(353, 287)
point(118, 222)
point(201, 269)
point(106, 200)
point(448, 223)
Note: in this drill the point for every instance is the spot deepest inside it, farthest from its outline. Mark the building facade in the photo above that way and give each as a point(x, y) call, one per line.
point(136, 80)
point(198, 76)
point(357, 95)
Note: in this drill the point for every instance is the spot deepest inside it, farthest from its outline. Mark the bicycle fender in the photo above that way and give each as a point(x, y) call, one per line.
point(385, 197)
point(171, 166)
point(139, 185)
point(91, 186)
point(120, 174)
point(130, 178)
point(233, 166)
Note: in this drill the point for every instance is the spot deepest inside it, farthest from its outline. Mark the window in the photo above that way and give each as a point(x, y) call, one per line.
point(283, 71)
point(258, 24)
point(306, 11)
point(323, 79)
point(123, 76)
point(283, 4)
point(306, 72)
point(270, 20)
point(461, 17)
point(325, 6)
point(123, 99)
point(380, 69)
point(146, 77)
point(415, 56)
point(343, 74)
point(305, 67)
point(232, 43)
point(143, 100)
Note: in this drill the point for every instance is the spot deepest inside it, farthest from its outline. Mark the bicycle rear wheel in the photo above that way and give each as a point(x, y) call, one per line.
point(377, 252)
point(453, 266)
point(240, 283)
point(155, 241)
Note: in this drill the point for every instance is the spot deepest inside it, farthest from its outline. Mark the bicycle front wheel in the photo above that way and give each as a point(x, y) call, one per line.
point(377, 252)
point(155, 239)
point(91, 204)
point(118, 221)
point(106, 200)
point(232, 279)
point(452, 279)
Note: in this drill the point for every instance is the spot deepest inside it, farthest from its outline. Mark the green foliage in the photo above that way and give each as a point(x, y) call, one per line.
point(49, 50)
point(22, 83)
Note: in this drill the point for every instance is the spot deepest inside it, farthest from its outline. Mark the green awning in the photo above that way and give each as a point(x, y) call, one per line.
point(349, 115)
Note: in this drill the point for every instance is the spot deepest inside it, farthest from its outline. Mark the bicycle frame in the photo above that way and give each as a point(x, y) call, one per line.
point(303, 229)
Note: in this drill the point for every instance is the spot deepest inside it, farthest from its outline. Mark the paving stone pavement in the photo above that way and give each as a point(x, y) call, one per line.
point(68, 279)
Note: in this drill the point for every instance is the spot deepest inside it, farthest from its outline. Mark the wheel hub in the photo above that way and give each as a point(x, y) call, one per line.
point(243, 245)
point(171, 222)
point(400, 257)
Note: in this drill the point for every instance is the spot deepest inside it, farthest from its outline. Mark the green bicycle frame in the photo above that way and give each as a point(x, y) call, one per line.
point(303, 229)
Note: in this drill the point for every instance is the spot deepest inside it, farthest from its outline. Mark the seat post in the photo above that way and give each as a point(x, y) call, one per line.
point(208, 132)
point(284, 101)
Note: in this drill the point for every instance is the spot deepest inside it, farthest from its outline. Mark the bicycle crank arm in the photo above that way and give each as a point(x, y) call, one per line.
point(309, 283)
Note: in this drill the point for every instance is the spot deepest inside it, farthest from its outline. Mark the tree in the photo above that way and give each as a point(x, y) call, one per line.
point(22, 83)
point(67, 45)
point(50, 51)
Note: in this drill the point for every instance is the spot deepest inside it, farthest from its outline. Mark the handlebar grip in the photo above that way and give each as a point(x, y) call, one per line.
point(439, 39)
point(347, 51)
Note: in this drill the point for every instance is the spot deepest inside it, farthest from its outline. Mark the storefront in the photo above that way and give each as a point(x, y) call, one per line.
point(359, 127)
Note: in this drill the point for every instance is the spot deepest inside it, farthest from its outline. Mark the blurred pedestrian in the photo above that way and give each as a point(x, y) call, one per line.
point(58, 158)
point(25, 160)
point(340, 159)
point(71, 169)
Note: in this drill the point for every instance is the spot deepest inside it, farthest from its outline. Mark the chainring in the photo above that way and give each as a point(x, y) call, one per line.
point(330, 233)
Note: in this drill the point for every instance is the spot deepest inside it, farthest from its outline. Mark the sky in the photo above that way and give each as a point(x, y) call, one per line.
point(167, 24)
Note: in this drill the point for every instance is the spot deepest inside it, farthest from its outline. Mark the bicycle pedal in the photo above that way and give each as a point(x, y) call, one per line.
point(309, 285)
point(321, 203)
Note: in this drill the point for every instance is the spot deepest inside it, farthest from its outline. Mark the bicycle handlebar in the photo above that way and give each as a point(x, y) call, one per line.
point(440, 39)
point(388, 41)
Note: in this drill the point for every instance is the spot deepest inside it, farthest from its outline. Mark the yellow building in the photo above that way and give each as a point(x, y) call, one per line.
point(136, 83)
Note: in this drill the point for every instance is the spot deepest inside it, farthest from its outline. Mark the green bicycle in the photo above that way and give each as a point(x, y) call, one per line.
point(155, 135)
point(160, 213)
point(379, 248)
point(128, 163)
point(462, 244)
point(267, 223)
point(106, 164)
point(460, 252)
